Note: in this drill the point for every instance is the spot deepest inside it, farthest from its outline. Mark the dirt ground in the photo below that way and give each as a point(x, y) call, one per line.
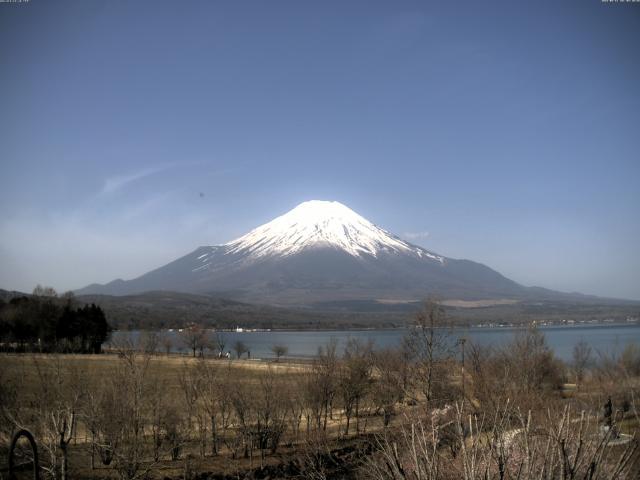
point(169, 368)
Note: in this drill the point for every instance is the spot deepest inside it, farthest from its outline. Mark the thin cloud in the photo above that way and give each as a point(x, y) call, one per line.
point(114, 184)
point(119, 182)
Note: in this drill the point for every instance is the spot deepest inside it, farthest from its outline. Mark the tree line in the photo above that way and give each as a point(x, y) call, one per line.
point(501, 412)
point(47, 322)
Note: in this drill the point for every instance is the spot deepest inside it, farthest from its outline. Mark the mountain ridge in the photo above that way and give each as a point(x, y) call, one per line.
point(165, 309)
point(323, 252)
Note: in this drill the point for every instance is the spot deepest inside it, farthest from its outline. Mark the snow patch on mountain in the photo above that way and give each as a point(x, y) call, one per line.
point(322, 223)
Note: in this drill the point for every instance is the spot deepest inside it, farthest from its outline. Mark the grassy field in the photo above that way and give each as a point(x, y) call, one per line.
point(168, 366)
point(259, 396)
point(25, 371)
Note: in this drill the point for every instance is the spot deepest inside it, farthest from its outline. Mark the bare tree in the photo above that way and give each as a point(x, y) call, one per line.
point(507, 445)
point(240, 348)
point(389, 385)
point(175, 431)
point(486, 377)
point(221, 342)
point(190, 385)
point(99, 420)
point(317, 397)
point(581, 359)
point(630, 359)
point(219, 404)
point(167, 342)
point(40, 291)
point(279, 351)
point(295, 396)
point(271, 411)
point(165, 421)
point(149, 342)
point(428, 341)
point(157, 410)
point(355, 378)
point(243, 402)
point(58, 405)
point(122, 422)
point(211, 398)
point(69, 299)
point(194, 338)
point(524, 371)
point(321, 385)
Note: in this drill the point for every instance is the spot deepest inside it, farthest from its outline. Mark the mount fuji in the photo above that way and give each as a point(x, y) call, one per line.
point(321, 252)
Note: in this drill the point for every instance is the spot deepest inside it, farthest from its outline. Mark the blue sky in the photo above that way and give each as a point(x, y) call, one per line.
point(504, 132)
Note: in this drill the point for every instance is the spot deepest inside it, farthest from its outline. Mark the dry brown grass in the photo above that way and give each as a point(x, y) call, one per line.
point(23, 370)
point(169, 367)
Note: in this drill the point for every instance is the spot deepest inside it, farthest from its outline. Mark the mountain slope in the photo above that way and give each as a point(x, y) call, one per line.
point(319, 251)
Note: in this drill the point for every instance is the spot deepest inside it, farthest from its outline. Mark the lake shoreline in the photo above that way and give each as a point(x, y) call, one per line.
point(605, 338)
point(406, 327)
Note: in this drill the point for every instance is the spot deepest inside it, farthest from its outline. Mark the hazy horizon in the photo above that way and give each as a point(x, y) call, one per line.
point(132, 133)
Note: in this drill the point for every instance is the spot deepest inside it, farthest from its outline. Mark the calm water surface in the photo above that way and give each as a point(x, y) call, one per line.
point(608, 339)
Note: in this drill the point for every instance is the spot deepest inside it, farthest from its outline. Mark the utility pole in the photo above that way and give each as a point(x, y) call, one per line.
point(462, 341)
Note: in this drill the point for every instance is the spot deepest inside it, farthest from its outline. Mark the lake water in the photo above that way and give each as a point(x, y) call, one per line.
point(608, 339)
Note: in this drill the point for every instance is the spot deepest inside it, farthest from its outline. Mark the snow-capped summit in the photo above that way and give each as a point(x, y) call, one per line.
point(319, 252)
point(318, 223)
